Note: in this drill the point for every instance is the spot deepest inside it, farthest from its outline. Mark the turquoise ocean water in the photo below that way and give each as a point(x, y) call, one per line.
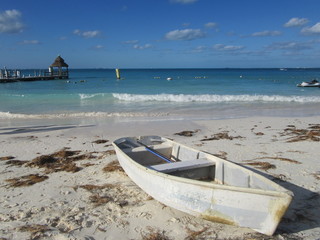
point(190, 94)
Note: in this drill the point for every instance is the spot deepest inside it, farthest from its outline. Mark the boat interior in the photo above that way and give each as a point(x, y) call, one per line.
point(178, 160)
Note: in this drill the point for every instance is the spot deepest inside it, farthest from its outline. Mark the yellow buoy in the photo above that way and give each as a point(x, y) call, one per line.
point(118, 73)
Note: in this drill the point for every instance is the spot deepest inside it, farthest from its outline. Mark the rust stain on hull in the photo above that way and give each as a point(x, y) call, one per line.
point(218, 217)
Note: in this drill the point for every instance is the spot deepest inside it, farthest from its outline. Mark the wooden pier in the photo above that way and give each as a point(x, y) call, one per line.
point(57, 70)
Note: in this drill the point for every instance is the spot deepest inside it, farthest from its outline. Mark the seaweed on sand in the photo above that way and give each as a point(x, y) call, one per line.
point(62, 160)
point(262, 165)
point(312, 133)
point(26, 180)
point(37, 231)
point(112, 167)
point(6, 158)
point(102, 194)
point(100, 141)
point(186, 133)
point(219, 136)
point(154, 235)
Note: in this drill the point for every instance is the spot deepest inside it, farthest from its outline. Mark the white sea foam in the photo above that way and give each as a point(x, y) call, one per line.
point(214, 98)
point(8, 115)
point(87, 96)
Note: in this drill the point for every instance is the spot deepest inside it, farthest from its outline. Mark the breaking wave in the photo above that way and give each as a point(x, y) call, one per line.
point(214, 98)
point(88, 96)
point(8, 115)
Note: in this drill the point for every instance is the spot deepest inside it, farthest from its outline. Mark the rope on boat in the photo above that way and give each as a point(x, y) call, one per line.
point(156, 153)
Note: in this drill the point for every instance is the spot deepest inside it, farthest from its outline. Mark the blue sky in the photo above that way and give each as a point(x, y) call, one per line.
point(160, 33)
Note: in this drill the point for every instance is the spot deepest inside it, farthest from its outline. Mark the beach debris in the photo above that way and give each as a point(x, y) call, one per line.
point(16, 162)
point(37, 230)
point(154, 234)
point(278, 158)
point(312, 133)
point(102, 194)
point(87, 164)
point(261, 165)
point(99, 200)
point(280, 177)
point(10, 161)
point(26, 180)
point(219, 136)
point(259, 133)
point(316, 175)
point(110, 152)
point(6, 158)
point(112, 167)
point(62, 160)
point(96, 198)
point(281, 159)
point(187, 133)
point(100, 141)
point(196, 234)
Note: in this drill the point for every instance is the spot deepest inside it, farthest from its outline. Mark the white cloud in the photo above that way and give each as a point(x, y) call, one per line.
point(98, 47)
point(141, 47)
point(266, 33)
point(210, 25)
point(131, 42)
point(315, 29)
point(87, 34)
point(184, 1)
point(199, 49)
point(293, 46)
point(10, 22)
point(222, 47)
point(296, 22)
point(186, 34)
point(30, 42)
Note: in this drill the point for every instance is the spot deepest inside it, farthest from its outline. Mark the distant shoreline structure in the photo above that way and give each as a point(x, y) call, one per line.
point(57, 70)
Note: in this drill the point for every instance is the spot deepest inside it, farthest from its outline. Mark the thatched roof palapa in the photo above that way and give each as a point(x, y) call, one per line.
point(59, 62)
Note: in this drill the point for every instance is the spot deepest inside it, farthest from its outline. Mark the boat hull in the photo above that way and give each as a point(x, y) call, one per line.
point(257, 209)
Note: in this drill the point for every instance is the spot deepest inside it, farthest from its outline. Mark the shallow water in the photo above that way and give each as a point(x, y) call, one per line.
point(191, 94)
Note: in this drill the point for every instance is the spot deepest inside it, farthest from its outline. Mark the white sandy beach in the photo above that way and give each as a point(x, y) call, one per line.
point(81, 199)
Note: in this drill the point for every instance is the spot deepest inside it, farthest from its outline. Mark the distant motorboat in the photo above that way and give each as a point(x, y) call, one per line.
point(313, 83)
point(169, 79)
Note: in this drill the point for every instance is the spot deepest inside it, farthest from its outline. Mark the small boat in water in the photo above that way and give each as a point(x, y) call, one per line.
point(202, 184)
point(313, 83)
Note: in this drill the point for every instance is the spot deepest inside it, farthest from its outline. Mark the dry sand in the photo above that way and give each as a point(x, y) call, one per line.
point(64, 182)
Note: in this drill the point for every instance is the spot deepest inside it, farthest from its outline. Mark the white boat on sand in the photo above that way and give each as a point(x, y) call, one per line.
point(201, 184)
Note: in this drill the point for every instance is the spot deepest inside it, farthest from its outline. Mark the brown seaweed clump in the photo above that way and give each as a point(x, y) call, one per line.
point(100, 141)
point(154, 234)
point(196, 234)
point(6, 158)
point(316, 175)
point(312, 133)
point(37, 231)
point(219, 136)
point(112, 167)
point(27, 180)
point(262, 165)
point(187, 133)
point(280, 159)
point(63, 160)
point(102, 194)
point(10, 160)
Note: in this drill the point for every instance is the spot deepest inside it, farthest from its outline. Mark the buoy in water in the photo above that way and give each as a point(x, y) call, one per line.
point(118, 73)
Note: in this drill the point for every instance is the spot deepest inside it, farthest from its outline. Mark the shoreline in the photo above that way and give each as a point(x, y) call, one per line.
point(66, 204)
